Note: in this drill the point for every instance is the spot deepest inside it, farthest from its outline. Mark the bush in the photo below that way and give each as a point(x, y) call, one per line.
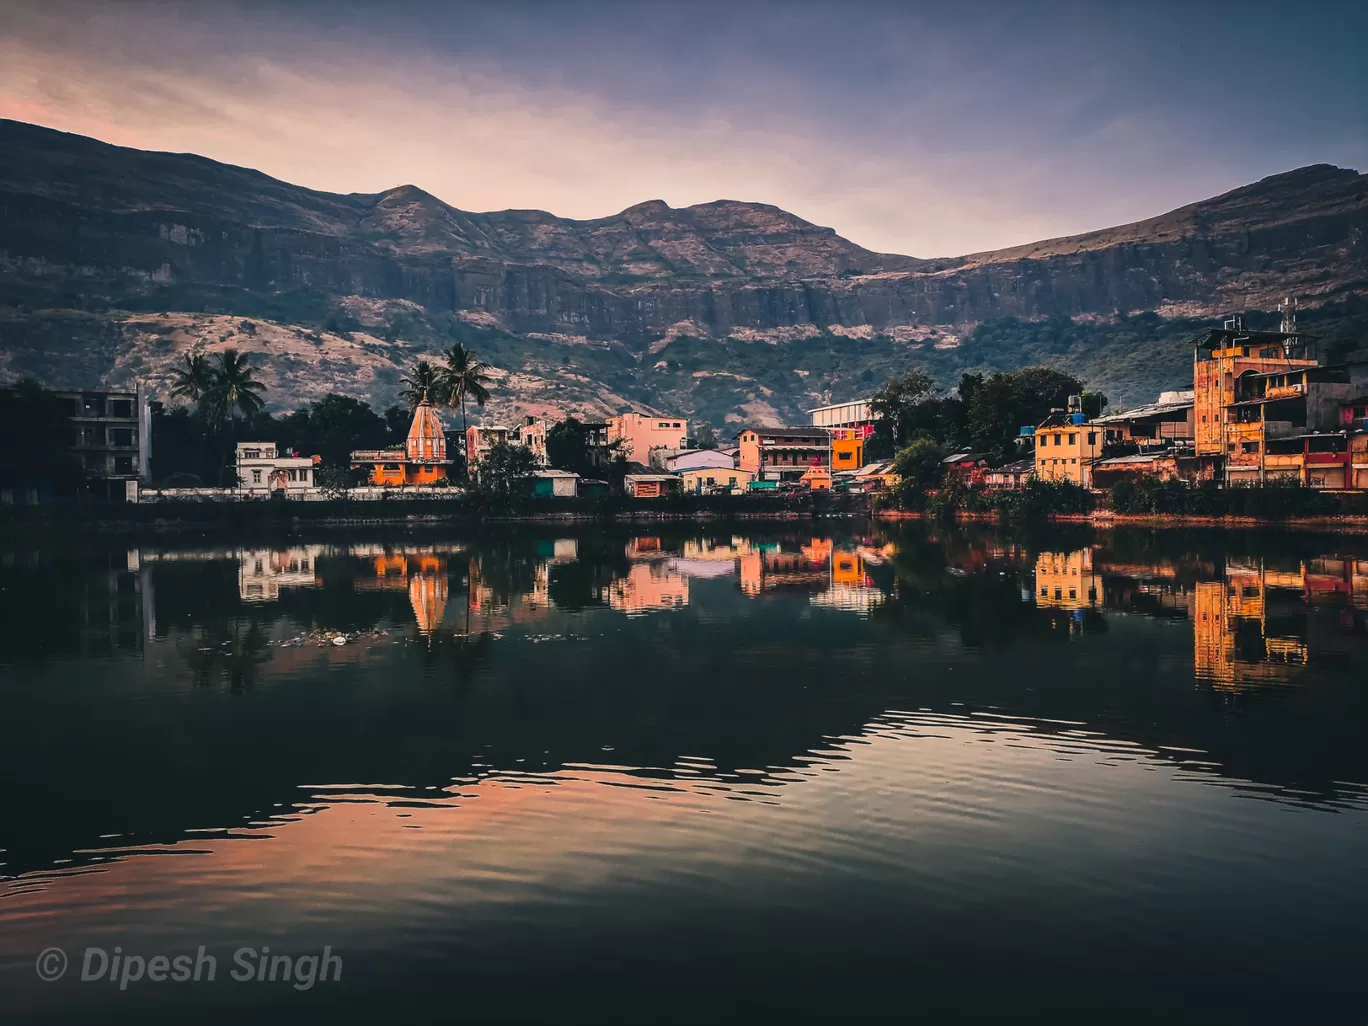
point(1038, 499)
point(1150, 496)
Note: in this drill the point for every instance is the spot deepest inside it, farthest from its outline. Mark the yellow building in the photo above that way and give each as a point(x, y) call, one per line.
point(1066, 448)
point(703, 480)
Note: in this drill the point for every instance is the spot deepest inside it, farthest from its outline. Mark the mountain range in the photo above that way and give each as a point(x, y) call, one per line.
point(114, 262)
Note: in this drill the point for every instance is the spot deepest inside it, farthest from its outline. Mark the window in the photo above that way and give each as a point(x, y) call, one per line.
point(304, 474)
point(256, 477)
point(121, 407)
point(123, 464)
point(121, 436)
point(1360, 412)
point(1251, 447)
point(293, 474)
point(1092, 438)
point(1073, 438)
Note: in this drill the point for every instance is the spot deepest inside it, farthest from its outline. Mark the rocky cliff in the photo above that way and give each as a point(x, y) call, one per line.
point(114, 261)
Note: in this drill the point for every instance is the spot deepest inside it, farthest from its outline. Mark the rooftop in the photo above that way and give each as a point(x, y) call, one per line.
point(836, 406)
point(785, 432)
point(1148, 410)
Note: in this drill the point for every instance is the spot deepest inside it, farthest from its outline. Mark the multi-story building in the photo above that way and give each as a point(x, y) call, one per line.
point(783, 453)
point(1229, 429)
point(480, 438)
point(856, 416)
point(1066, 446)
point(1289, 424)
point(849, 425)
point(422, 460)
point(261, 470)
point(639, 433)
point(531, 432)
point(113, 439)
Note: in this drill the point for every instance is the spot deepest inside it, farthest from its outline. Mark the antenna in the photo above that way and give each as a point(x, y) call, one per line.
point(1289, 325)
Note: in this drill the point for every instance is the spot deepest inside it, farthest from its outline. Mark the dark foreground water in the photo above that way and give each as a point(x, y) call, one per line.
point(700, 775)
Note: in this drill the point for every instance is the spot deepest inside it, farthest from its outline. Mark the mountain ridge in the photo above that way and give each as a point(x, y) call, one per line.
point(655, 306)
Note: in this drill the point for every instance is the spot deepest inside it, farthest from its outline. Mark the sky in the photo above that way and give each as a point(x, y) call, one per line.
point(928, 129)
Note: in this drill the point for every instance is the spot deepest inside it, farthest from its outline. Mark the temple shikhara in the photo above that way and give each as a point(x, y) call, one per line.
point(422, 460)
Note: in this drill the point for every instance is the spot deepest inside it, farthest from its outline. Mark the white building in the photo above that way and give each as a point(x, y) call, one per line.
point(699, 459)
point(262, 471)
point(852, 415)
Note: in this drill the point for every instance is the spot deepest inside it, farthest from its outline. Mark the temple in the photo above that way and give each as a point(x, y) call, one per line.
point(422, 460)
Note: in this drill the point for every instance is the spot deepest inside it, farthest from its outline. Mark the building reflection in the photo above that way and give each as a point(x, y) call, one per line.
point(647, 587)
point(1067, 580)
point(263, 572)
point(1264, 623)
point(1255, 621)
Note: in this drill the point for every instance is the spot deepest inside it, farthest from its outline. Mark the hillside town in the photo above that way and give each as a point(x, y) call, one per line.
point(1262, 410)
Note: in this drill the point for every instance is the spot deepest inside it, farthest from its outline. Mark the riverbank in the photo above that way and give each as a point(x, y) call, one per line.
point(1106, 518)
point(274, 514)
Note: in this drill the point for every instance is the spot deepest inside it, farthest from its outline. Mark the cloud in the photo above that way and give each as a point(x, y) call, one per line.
point(902, 139)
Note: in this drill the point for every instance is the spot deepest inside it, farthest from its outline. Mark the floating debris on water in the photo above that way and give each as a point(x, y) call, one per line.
point(323, 638)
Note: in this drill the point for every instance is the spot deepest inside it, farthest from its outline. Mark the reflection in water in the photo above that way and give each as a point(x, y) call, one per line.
point(955, 726)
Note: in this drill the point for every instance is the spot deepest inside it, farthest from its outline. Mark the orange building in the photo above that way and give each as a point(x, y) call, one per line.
point(422, 460)
point(1229, 433)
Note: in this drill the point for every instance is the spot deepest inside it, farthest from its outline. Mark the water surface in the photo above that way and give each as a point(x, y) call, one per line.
point(733, 774)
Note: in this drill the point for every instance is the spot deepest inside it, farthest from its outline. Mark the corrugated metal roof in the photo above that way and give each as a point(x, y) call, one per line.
point(1140, 412)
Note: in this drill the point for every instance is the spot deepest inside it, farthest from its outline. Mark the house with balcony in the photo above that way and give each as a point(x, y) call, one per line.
point(1164, 424)
point(262, 471)
point(778, 454)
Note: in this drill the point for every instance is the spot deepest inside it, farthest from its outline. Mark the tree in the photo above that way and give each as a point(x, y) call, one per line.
point(1005, 403)
point(398, 420)
point(503, 466)
point(195, 379)
point(234, 389)
point(464, 378)
point(918, 466)
point(705, 437)
point(41, 437)
point(424, 379)
point(567, 447)
point(332, 427)
point(895, 410)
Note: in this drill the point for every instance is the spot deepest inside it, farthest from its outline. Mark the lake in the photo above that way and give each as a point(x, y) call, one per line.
point(695, 773)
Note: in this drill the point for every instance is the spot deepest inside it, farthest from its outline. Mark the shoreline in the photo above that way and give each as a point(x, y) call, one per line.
point(1348, 522)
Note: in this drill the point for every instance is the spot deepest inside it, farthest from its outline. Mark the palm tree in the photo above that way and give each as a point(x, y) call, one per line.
point(234, 390)
point(423, 380)
point(195, 379)
point(464, 377)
